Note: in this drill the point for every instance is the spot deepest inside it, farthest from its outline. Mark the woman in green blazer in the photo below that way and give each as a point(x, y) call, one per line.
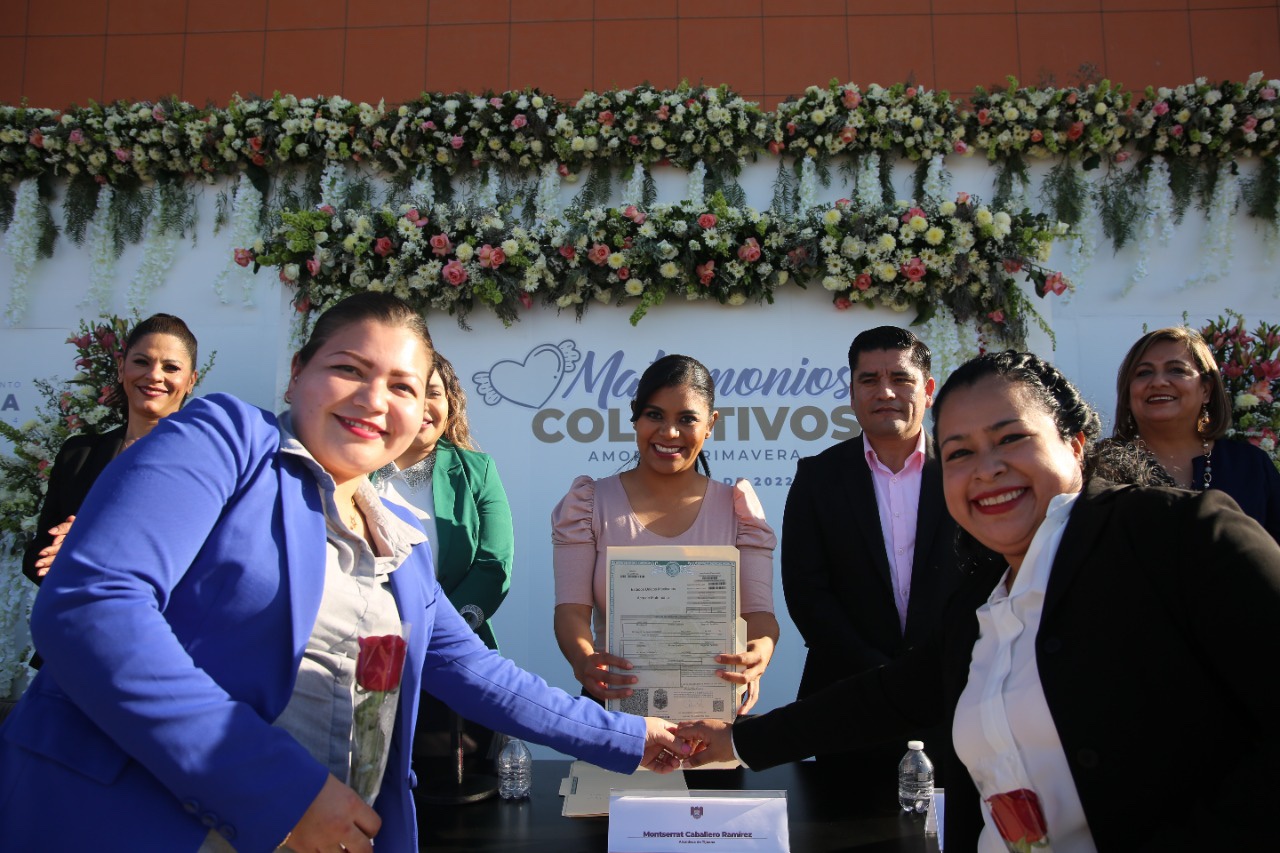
point(454, 491)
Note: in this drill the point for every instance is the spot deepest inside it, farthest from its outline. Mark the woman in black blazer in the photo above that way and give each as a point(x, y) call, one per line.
point(157, 372)
point(1138, 674)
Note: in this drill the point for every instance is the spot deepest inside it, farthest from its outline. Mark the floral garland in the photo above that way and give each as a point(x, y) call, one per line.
point(1250, 365)
point(961, 254)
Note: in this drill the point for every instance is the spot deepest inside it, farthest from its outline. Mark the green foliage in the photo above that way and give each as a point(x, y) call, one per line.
point(1066, 193)
point(1262, 191)
point(79, 206)
point(1121, 205)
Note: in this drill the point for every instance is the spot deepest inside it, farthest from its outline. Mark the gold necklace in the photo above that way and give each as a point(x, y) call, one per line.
point(353, 517)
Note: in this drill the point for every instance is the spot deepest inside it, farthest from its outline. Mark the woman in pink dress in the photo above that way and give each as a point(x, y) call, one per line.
point(664, 500)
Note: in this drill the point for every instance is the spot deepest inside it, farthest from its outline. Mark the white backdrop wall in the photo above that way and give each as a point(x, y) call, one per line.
point(555, 391)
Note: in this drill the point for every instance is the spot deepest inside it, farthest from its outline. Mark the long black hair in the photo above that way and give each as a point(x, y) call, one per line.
point(676, 371)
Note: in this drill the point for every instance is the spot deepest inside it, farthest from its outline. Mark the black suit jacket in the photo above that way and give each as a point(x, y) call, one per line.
point(1156, 650)
point(835, 570)
point(80, 460)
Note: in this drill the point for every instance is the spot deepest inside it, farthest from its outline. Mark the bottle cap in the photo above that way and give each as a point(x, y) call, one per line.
point(915, 744)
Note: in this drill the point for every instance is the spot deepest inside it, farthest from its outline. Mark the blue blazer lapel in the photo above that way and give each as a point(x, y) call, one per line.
point(304, 547)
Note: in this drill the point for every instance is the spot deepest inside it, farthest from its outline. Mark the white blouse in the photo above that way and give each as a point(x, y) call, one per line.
point(1003, 731)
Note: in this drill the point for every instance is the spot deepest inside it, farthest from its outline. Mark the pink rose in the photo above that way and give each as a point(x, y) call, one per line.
point(76, 137)
point(454, 273)
point(1036, 135)
point(1121, 156)
point(851, 99)
point(996, 316)
point(313, 265)
point(775, 147)
point(1176, 130)
point(326, 209)
point(427, 125)
point(664, 112)
point(842, 203)
point(605, 117)
point(599, 254)
point(635, 214)
point(37, 138)
point(124, 155)
point(415, 217)
point(863, 281)
point(244, 257)
point(383, 246)
point(1055, 283)
point(1076, 131)
point(707, 220)
point(791, 128)
point(842, 303)
point(706, 272)
point(915, 211)
point(491, 257)
point(984, 116)
point(848, 134)
point(961, 147)
point(635, 140)
point(568, 252)
point(157, 112)
point(624, 273)
point(519, 121)
point(495, 101)
point(749, 251)
point(456, 142)
point(914, 269)
point(525, 299)
point(1072, 98)
point(1012, 266)
point(1161, 108)
point(911, 92)
point(1249, 124)
point(563, 170)
point(1267, 94)
point(440, 245)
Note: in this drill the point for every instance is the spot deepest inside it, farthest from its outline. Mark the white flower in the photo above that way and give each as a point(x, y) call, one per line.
point(634, 287)
point(737, 298)
point(1245, 400)
point(669, 270)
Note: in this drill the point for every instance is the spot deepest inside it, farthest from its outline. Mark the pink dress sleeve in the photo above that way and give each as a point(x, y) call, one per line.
point(755, 542)
point(573, 540)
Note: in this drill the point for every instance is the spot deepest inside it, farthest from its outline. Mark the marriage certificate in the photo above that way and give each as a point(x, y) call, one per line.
point(671, 610)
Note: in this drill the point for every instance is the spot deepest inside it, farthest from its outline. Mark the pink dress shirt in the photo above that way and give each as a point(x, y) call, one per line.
point(898, 499)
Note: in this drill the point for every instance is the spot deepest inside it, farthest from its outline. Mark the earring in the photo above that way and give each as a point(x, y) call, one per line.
point(1202, 424)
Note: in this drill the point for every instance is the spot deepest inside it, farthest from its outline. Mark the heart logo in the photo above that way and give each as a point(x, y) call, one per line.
point(531, 382)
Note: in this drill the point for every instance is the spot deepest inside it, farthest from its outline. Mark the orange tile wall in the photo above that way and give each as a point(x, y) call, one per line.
point(57, 52)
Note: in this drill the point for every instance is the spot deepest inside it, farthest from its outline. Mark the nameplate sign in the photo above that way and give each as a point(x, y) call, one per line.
point(657, 822)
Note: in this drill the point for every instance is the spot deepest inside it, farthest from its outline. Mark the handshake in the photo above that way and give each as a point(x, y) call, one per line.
point(670, 746)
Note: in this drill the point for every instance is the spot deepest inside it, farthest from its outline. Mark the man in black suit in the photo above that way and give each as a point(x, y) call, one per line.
point(868, 549)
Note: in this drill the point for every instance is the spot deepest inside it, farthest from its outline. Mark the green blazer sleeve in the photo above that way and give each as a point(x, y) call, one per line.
point(476, 536)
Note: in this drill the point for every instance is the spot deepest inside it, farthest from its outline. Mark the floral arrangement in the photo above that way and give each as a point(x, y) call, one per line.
point(1250, 365)
point(645, 125)
point(962, 254)
point(86, 402)
point(1081, 123)
point(909, 120)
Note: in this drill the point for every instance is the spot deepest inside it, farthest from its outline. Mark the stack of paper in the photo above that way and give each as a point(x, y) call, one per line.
point(586, 789)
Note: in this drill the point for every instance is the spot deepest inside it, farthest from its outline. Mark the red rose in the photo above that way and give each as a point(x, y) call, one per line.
point(1012, 265)
point(1018, 816)
point(568, 252)
point(1076, 131)
point(381, 662)
point(863, 281)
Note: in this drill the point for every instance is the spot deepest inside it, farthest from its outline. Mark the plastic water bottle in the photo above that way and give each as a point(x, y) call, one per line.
point(515, 770)
point(915, 779)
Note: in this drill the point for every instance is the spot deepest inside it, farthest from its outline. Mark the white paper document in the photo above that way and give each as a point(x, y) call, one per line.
point(671, 611)
point(586, 788)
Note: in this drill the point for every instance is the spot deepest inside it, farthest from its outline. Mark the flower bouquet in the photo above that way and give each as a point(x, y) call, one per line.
point(1250, 365)
point(378, 672)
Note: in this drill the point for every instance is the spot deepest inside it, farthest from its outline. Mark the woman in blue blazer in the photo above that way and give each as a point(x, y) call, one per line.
point(454, 491)
point(184, 632)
